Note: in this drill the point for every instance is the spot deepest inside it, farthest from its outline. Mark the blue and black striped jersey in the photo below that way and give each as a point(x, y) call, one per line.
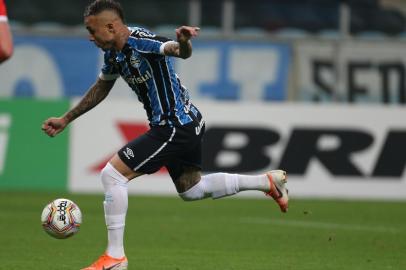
point(151, 75)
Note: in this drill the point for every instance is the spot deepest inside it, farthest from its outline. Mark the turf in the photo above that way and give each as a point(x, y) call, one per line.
point(235, 234)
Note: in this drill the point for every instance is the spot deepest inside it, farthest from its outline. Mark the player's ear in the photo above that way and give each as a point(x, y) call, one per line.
point(110, 27)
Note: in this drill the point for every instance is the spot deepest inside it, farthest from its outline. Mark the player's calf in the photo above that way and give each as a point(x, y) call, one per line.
point(216, 185)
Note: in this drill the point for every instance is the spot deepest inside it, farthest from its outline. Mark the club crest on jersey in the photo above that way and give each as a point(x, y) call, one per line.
point(135, 61)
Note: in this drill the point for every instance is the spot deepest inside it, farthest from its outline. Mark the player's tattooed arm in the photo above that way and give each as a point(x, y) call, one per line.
point(173, 48)
point(183, 47)
point(99, 91)
point(55, 125)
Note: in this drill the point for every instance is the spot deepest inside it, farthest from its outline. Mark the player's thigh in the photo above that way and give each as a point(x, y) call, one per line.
point(189, 177)
point(147, 153)
point(185, 168)
point(122, 168)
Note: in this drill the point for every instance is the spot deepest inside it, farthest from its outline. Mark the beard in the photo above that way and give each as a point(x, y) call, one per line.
point(104, 45)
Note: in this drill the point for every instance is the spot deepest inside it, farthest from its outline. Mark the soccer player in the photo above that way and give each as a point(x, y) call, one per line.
point(174, 139)
point(6, 40)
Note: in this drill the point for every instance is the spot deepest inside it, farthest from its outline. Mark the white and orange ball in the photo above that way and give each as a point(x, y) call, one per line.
point(61, 218)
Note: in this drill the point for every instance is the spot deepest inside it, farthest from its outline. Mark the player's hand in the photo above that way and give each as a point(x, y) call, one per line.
point(185, 33)
point(54, 126)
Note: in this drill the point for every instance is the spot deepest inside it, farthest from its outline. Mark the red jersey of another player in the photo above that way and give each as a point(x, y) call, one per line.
point(3, 11)
point(6, 40)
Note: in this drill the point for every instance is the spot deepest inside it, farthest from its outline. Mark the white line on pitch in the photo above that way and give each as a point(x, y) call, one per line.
point(320, 225)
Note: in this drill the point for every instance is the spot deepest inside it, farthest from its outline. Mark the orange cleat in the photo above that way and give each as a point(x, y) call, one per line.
point(105, 262)
point(278, 191)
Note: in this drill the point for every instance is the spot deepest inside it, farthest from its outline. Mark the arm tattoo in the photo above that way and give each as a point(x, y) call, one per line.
point(185, 49)
point(171, 49)
point(182, 50)
point(94, 96)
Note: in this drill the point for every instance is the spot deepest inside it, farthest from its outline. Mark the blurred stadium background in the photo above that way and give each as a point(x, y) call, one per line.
point(315, 87)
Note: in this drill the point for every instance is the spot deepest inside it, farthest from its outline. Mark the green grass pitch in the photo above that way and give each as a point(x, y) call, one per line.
point(165, 233)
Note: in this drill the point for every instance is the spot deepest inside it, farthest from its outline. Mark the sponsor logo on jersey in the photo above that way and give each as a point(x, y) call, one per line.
point(139, 79)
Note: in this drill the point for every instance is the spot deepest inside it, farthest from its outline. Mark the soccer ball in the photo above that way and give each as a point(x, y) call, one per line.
point(61, 218)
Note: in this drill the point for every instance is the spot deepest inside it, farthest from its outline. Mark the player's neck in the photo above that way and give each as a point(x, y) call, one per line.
point(122, 38)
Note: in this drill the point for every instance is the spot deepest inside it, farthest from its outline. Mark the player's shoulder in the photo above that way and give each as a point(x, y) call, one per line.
point(140, 32)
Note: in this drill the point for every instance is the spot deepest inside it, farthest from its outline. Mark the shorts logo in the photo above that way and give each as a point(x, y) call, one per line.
point(128, 153)
point(198, 129)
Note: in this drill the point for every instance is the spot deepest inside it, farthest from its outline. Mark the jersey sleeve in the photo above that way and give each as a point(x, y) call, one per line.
point(3, 11)
point(108, 71)
point(148, 42)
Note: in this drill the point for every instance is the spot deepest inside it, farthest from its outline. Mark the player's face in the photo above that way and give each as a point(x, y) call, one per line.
point(100, 31)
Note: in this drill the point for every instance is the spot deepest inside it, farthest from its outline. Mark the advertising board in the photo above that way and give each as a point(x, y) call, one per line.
point(328, 151)
point(30, 160)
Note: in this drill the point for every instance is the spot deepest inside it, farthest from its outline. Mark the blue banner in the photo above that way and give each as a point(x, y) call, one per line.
point(242, 70)
point(56, 67)
point(46, 67)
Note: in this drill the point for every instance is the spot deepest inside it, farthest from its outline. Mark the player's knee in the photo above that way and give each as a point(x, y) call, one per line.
point(189, 186)
point(105, 175)
point(189, 178)
point(110, 176)
point(197, 192)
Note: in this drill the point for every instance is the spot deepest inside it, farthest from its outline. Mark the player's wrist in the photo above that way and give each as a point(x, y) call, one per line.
point(183, 40)
point(66, 120)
